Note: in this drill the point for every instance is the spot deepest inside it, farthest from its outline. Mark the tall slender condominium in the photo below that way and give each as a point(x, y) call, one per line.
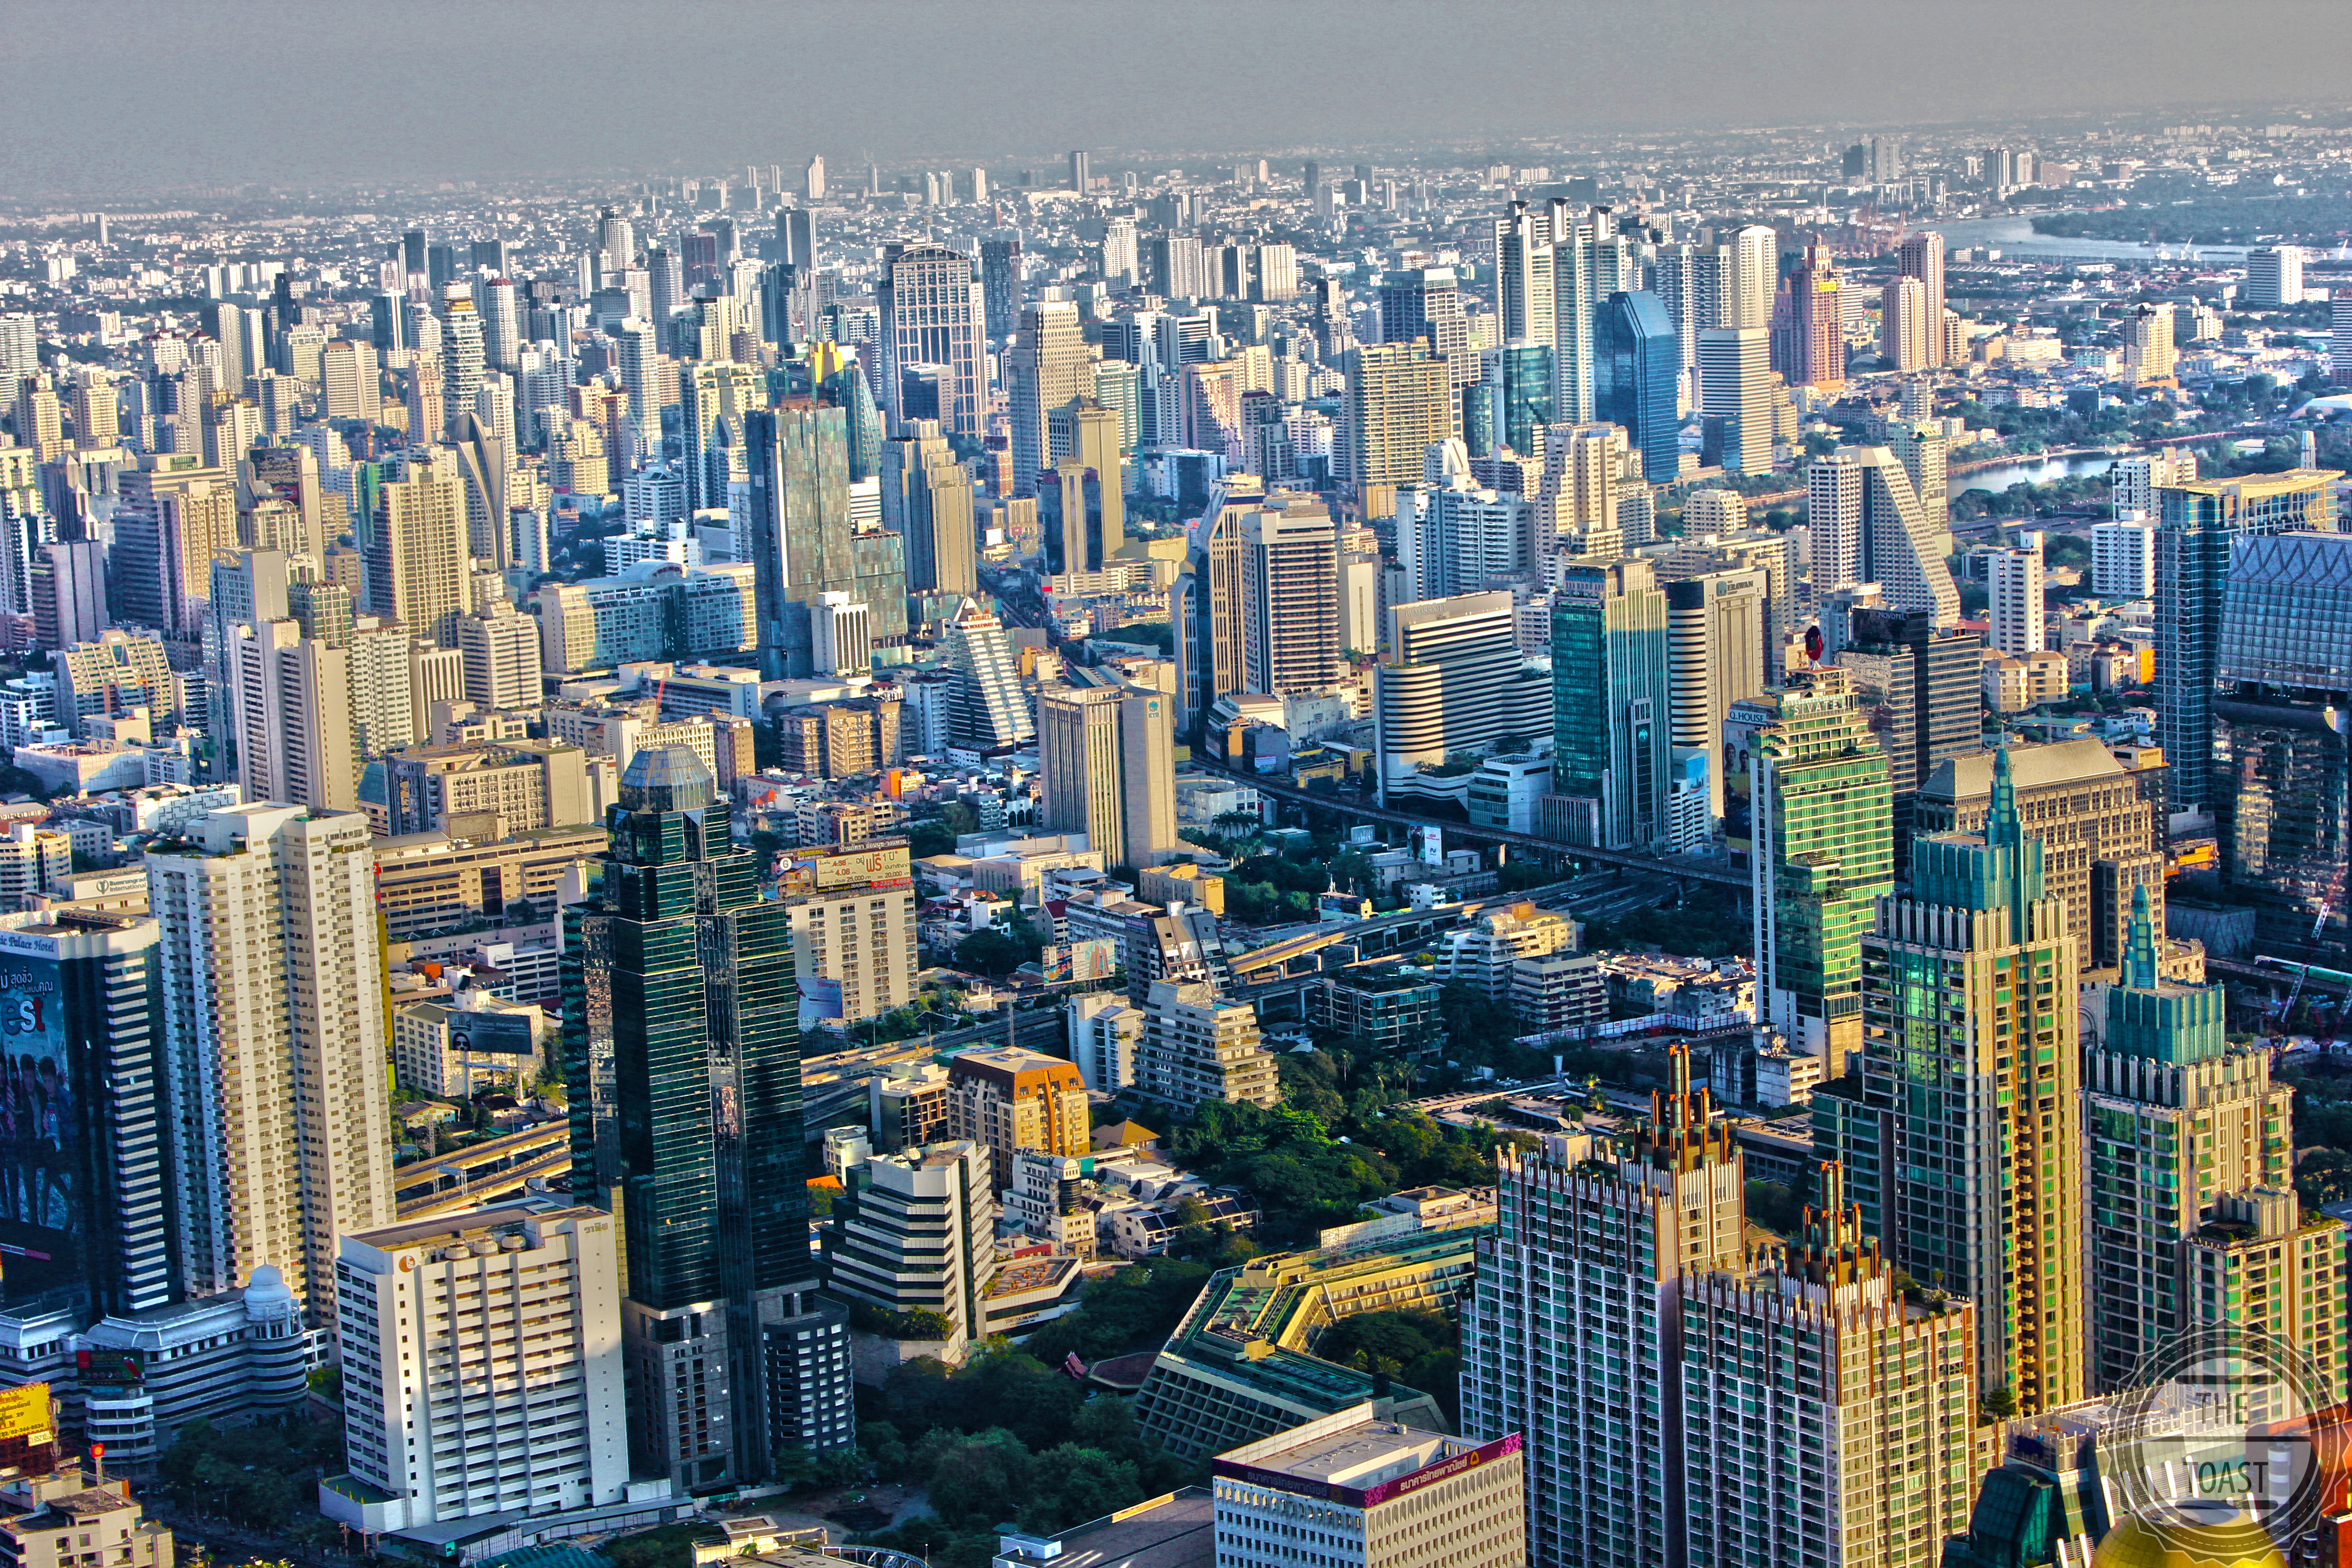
point(932, 314)
point(417, 559)
point(1400, 399)
point(1868, 527)
point(1000, 275)
point(1047, 369)
point(463, 353)
point(1590, 260)
point(291, 707)
point(276, 1039)
point(800, 538)
point(1903, 324)
point(927, 498)
point(1446, 684)
point(1454, 537)
point(1613, 728)
point(1921, 256)
point(1573, 1333)
point(1108, 762)
point(1636, 378)
point(2188, 1134)
point(2199, 524)
point(1288, 586)
point(1829, 1409)
point(1735, 397)
point(1822, 853)
point(682, 1056)
point(1817, 323)
point(1523, 280)
point(709, 392)
point(1920, 447)
point(82, 992)
point(2016, 614)
point(1962, 1131)
point(1755, 276)
point(1715, 657)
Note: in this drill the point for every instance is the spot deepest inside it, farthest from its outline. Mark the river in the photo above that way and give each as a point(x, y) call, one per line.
point(2034, 471)
point(2015, 237)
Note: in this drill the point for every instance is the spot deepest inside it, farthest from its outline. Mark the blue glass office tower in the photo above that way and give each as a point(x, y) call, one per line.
point(1520, 380)
point(1612, 733)
point(1637, 364)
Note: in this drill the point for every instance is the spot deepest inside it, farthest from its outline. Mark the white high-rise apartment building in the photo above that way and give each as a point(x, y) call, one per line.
point(482, 1367)
point(2275, 276)
point(275, 1038)
point(916, 1231)
point(501, 650)
point(1754, 274)
point(1735, 385)
point(2123, 560)
point(291, 703)
point(2017, 611)
point(2133, 482)
point(1454, 537)
point(1868, 527)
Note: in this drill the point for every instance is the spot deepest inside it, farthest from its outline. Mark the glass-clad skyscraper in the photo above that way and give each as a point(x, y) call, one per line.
point(682, 1055)
point(1613, 729)
point(1637, 365)
point(2282, 795)
point(1520, 384)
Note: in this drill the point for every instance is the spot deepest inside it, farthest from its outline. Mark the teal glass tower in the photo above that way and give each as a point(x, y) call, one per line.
point(1612, 733)
point(682, 1055)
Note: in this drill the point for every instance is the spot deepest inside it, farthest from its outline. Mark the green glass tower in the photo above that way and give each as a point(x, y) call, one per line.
point(2187, 1133)
point(682, 1055)
point(1965, 1113)
point(1612, 733)
point(1823, 855)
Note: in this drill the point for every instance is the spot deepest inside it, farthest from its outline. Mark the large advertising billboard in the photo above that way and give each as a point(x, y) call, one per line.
point(42, 1161)
point(490, 1034)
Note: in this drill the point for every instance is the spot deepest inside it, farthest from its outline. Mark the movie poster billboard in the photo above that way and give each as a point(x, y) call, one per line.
point(42, 1158)
point(491, 1034)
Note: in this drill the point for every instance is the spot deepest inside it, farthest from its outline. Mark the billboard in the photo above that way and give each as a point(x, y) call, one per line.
point(24, 1411)
point(882, 866)
point(113, 1369)
point(491, 1034)
point(1090, 958)
point(820, 1001)
point(42, 1156)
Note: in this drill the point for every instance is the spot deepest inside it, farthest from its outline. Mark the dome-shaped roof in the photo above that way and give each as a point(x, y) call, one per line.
point(2198, 1533)
point(667, 778)
point(265, 1285)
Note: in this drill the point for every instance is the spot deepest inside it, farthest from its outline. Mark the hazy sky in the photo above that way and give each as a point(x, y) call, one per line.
point(122, 95)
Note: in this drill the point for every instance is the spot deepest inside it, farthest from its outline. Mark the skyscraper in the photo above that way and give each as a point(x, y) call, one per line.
point(1454, 537)
point(1523, 275)
point(462, 350)
point(1822, 853)
point(799, 540)
point(1446, 683)
point(276, 1037)
point(1636, 376)
point(1400, 399)
point(1046, 370)
point(932, 314)
point(290, 703)
point(2275, 276)
point(999, 283)
point(1087, 436)
point(417, 558)
point(2014, 578)
point(813, 178)
point(1734, 398)
point(1965, 1119)
point(1928, 705)
point(2181, 1121)
point(1755, 275)
point(1519, 377)
point(1107, 759)
point(927, 497)
point(1081, 176)
point(2199, 524)
point(1921, 256)
point(1868, 527)
point(1288, 586)
point(1613, 728)
point(1817, 321)
point(986, 708)
point(1573, 1333)
point(682, 1054)
point(85, 1029)
point(1902, 338)
point(1715, 652)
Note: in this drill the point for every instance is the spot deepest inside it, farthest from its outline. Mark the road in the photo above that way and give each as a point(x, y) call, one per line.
point(1676, 870)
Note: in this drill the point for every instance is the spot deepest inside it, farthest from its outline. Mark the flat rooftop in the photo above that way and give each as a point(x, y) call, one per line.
point(1361, 1455)
point(1179, 1531)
